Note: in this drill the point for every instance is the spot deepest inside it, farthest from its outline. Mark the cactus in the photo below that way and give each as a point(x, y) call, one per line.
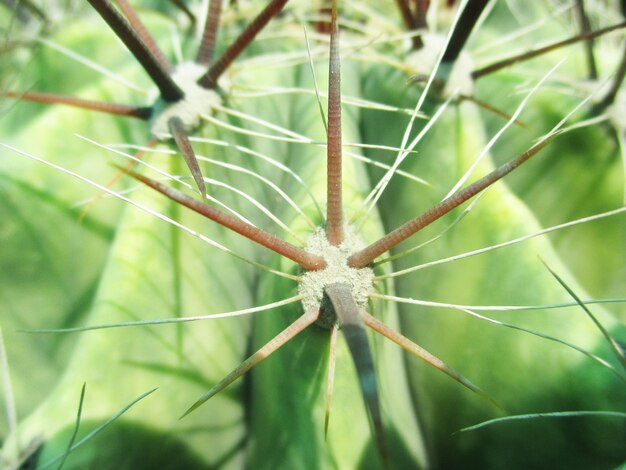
point(213, 270)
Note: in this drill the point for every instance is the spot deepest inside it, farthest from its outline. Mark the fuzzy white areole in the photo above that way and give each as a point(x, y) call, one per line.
point(197, 101)
point(336, 271)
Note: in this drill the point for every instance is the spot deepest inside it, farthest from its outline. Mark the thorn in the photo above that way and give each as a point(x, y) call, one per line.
point(100, 194)
point(177, 129)
point(362, 258)
point(464, 27)
point(323, 26)
point(494, 110)
point(351, 324)
point(409, 21)
point(585, 27)
point(210, 78)
point(24, 7)
point(615, 346)
point(143, 33)
point(334, 218)
point(143, 113)
point(421, 7)
point(209, 36)
point(476, 74)
point(331, 376)
point(305, 259)
point(188, 13)
point(275, 343)
point(419, 352)
point(618, 80)
point(170, 91)
point(406, 13)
